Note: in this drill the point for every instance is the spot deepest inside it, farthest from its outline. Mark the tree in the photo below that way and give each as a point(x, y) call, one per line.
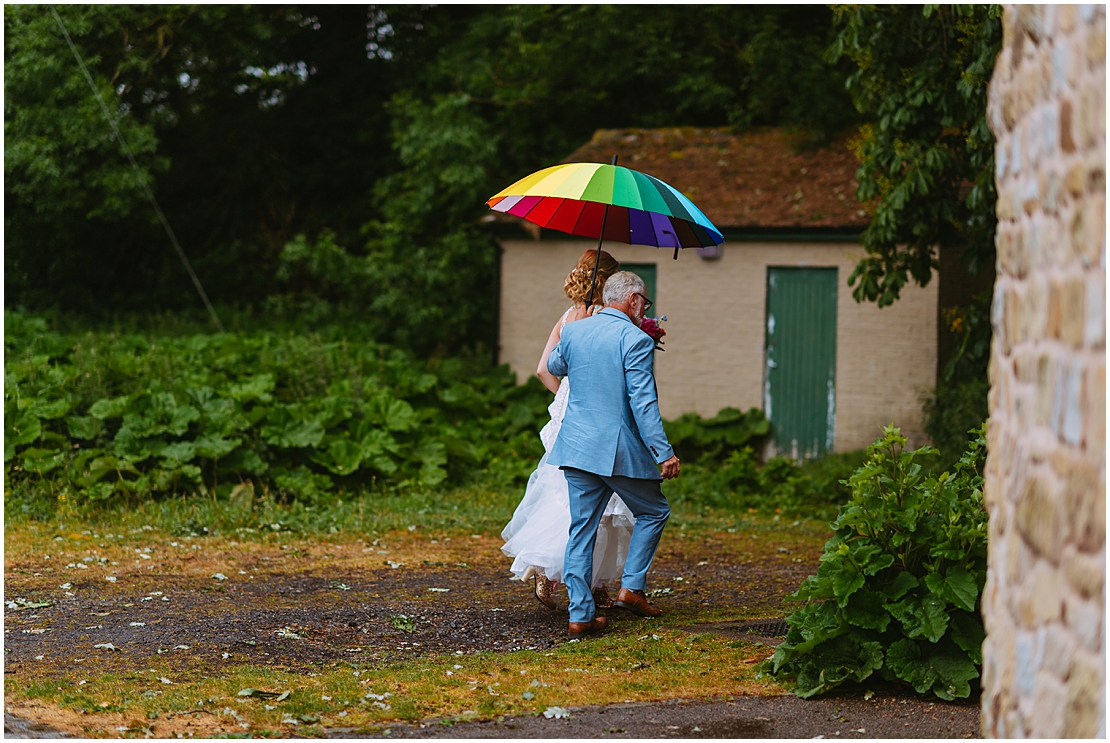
point(252, 123)
point(516, 88)
point(927, 173)
point(373, 133)
point(926, 152)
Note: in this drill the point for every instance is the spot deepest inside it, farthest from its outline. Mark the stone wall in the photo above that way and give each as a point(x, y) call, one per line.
point(1044, 604)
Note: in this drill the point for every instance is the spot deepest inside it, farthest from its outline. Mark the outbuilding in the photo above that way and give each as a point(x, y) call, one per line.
point(766, 320)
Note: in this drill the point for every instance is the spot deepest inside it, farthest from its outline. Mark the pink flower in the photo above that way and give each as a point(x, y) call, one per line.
point(650, 325)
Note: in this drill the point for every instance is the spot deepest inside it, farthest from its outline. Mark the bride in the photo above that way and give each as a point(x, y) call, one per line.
point(537, 534)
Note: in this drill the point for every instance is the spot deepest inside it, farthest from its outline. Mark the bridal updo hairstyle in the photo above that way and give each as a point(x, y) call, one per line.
point(577, 285)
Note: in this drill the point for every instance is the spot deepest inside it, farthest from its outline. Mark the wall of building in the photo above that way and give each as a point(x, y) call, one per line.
point(1044, 603)
point(886, 359)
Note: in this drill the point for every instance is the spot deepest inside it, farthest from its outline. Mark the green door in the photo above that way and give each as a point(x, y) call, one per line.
point(799, 388)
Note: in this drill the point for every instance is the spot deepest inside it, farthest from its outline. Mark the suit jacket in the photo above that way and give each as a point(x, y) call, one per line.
point(612, 424)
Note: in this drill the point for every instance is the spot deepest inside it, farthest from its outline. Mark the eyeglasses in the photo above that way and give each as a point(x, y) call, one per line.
point(647, 302)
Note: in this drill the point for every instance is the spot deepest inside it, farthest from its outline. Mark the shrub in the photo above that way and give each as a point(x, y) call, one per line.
point(703, 440)
point(125, 417)
point(738, 481)
point(899, 584)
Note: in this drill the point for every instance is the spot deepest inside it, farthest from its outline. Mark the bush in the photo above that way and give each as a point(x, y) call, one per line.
point(720, 467)
point(899, 584)
point(124, 417)
point(698, 440)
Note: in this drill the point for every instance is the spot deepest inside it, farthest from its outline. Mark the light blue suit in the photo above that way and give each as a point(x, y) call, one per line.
point(611, 440)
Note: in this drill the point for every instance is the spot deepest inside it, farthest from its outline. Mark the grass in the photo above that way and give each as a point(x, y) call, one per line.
point(665, 664)
point(111, 695)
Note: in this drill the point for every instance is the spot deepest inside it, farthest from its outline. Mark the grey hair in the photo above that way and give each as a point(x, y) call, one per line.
point(621, 286)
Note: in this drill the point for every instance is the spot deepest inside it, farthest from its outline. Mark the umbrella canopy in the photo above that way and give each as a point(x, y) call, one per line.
point(608, 202)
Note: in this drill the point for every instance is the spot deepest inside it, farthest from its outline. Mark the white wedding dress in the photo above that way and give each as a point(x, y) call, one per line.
point(537, 534)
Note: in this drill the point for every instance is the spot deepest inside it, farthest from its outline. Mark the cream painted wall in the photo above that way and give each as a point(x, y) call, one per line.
point(886, 358)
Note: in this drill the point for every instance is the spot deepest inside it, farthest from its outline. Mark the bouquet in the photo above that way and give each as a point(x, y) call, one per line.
point(650, 325)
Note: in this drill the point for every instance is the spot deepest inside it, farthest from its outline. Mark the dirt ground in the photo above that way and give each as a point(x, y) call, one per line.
point(341, 599)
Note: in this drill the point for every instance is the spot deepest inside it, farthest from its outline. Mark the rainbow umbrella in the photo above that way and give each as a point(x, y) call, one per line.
point(608, 202)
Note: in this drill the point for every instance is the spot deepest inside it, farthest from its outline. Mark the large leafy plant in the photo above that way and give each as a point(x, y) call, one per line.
point(899, 585)
point(104, 417)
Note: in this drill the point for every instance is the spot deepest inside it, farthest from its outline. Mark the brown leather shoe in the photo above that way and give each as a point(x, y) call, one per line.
point(578, 630)
point(635, 603)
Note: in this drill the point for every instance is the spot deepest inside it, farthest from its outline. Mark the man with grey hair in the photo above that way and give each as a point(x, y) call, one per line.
point(611, 440)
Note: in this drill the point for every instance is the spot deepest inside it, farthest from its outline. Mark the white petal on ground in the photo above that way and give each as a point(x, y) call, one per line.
point(556, 713)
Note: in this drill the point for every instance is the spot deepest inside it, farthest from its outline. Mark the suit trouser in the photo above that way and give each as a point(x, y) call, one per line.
point(589, 494)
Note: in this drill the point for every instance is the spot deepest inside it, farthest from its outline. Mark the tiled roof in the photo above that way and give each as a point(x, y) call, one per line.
point(760, 178)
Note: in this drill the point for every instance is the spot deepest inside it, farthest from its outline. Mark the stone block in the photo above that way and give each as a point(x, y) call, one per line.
point(1087, 229)
point(1037, 515)
point(1008, 113)
point(1084, 500)
point(1059, 397)
point(1073, 310)
point(1067, 139)
point(1030, 193)
point(1076, 178)
point(1059, 651)
point(1025, 366)
point(1044, 79)
point(1055, 309)
point(1083, 708)
point(1006, 205)
point(1004, 241)
point(1072, 412)
point(1084, 619)
point(1085, 573)
point(1096, 173)
point(1091, 117)
point(1094, 434)
point(1039, 599)
point(1065, 18)
point(1051, 188)
point(1048, 700)
point(1045, 387)
point(1030, 19)
point(1025, 84)
point(1034, 314)
point(1096, 46)
point(1020, 560)
point(1094, 324)
point(1027, 659)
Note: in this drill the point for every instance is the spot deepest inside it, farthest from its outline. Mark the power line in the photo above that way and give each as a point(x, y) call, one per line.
point(139, 173)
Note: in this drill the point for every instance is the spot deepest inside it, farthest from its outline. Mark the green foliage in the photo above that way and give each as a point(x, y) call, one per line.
point(959, 402)
point(251, 123)
point(696, 439)
point(898, 589)
point(373, 134)
point(107, 418)
point(721, 468)
point(926, 153)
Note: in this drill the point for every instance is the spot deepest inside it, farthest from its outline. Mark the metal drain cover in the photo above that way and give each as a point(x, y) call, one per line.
point(770, 631)
point(776, 628)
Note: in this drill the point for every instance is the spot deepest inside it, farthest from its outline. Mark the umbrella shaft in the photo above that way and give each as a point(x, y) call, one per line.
point(597, 258)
